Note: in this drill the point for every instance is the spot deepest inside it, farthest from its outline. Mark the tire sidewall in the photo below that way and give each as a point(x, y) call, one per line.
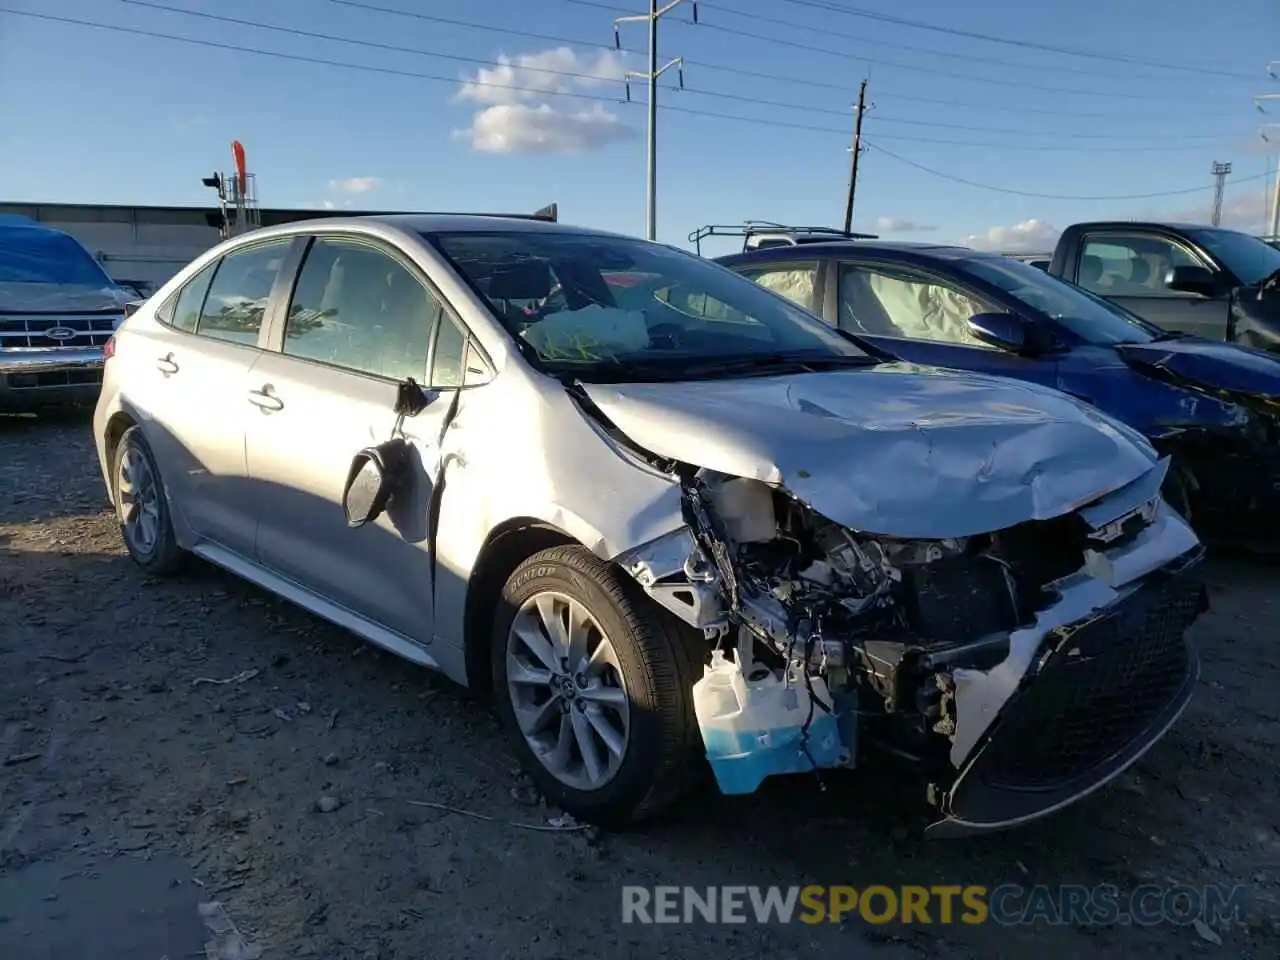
point(133, 441)
point(634, 779)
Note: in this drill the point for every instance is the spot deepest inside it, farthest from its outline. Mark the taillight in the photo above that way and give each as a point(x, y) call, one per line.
point(109, 348)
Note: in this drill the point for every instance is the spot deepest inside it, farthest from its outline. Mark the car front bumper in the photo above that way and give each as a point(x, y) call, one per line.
point(30, 379)
point(1103, 691)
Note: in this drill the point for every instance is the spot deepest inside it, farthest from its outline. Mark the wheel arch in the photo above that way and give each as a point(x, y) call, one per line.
point(507, 546)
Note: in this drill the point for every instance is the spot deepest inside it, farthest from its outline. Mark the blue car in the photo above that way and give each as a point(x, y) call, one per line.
point(1213, 407)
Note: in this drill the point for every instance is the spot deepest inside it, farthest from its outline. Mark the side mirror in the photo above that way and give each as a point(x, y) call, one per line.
point(1005, 331)
point(132, 307)
point(1189, 279)
point(375, 474)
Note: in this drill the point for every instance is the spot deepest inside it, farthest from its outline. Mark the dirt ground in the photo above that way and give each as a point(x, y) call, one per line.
point(133, 790)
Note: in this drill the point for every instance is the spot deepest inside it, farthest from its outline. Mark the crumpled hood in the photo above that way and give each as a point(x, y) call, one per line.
point(1209, 364)
point(18, 297)
point(896, 449)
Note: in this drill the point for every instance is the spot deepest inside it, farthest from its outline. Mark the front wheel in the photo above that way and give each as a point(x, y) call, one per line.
point(594, 688)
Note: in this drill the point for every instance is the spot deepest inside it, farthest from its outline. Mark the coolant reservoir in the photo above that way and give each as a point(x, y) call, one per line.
point(752, 725)
point(746, 509)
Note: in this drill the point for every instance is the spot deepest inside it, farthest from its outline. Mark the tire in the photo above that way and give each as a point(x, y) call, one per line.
point(653, 665)
point(134, 476)
point(1177, 491)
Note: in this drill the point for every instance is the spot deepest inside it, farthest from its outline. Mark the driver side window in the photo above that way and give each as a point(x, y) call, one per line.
point(887, 301)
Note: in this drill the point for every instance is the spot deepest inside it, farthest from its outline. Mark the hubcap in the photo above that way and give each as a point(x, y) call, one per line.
point(567, 691)
point(139, 506)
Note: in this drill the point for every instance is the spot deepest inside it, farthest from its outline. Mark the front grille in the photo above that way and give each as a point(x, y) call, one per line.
point(1096, 692)
point(32, 331)
point(56, 378)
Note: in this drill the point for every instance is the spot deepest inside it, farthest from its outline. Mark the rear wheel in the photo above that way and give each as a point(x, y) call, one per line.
point(141, 507)
point(593, 686)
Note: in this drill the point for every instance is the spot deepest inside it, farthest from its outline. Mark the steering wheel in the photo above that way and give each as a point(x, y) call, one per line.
point(667, 336)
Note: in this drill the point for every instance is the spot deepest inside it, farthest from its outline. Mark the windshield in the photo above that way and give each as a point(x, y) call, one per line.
point(1249, 258)
point(42, 256)
point(1091, 318)
point(608, 308)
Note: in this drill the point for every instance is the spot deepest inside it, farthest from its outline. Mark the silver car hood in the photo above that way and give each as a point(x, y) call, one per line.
point(897, 449)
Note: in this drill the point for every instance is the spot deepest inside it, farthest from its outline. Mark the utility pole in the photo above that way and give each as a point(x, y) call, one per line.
point(1274, 232)
point(651, 76)
point(1220, 171)
point(856, 150)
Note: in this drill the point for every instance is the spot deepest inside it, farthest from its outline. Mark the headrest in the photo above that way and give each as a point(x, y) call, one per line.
point(521, 280)
point(1139, 270)
point(1090, 269)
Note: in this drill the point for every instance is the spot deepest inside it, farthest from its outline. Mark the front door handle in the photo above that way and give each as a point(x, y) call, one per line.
point(265, 399)
point(166, 364)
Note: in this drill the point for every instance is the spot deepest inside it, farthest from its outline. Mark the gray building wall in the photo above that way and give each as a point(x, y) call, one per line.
point(144, 243)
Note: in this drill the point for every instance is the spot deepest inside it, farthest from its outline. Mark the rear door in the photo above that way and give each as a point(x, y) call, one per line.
point(1130, 268)
point(191, 378)
point(361, 319)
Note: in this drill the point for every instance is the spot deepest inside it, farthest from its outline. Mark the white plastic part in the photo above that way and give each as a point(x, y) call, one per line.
point(754, 725)
point(746, 509)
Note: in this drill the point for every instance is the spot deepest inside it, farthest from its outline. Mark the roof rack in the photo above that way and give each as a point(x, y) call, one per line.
point(766, 233)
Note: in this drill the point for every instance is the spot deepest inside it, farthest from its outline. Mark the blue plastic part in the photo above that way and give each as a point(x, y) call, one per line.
point(741, 764)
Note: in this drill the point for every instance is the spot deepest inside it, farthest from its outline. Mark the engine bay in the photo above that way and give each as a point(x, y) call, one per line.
point(882, 623)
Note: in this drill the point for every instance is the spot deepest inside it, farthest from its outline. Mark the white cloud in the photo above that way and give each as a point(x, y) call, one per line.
point(519, 128)
point(354, 185)
point(516, 116)
point(900, 225)
point(1029, 236)
point(1248, 211)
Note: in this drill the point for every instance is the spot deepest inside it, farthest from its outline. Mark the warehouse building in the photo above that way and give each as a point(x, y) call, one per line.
point(146, 245)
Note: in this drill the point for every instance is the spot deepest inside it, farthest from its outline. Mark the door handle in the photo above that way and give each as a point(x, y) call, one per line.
point(265, 399)
point(166, 365)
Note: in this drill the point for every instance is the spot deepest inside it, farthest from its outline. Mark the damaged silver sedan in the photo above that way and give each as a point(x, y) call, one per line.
point(668, 517)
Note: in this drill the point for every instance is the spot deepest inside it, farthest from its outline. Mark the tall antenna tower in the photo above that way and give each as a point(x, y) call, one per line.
point(1220, 171)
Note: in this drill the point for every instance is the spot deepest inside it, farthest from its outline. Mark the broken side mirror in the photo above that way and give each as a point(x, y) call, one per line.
point(375, 474)
point(1192, 279)
point(1006, 332)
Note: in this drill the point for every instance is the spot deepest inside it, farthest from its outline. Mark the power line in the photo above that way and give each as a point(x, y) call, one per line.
point(704, 64)
point(1008, 41)
point(895, 64)
point(863, 39)
point(1048, 196)
point(899, 138)
point(437, 78)
point(741, 98)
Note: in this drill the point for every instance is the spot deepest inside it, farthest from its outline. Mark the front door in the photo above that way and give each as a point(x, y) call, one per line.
point(360, 321)
point(921, 317)
point(1130, 268)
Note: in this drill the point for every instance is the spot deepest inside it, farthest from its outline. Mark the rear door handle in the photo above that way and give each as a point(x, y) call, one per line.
point(265, 399)
point(166, 364)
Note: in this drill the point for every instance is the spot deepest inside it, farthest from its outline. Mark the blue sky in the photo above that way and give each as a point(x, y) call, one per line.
point(89, 115)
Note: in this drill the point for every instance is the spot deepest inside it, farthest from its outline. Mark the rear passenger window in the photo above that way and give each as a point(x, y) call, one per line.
point(446, 364)
point(238, 296)
point(357, 307)
point(186, 309)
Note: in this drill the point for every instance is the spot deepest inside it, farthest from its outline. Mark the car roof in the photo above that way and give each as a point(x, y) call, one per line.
point(858, 248)
point(1147, 225)
point(434, 223)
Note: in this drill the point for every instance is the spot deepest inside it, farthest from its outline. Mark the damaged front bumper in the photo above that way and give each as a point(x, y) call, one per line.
point(1007, 725)
point(1100, 693)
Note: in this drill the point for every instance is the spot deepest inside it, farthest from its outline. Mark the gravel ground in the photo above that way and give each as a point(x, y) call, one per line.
point(133, 790)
